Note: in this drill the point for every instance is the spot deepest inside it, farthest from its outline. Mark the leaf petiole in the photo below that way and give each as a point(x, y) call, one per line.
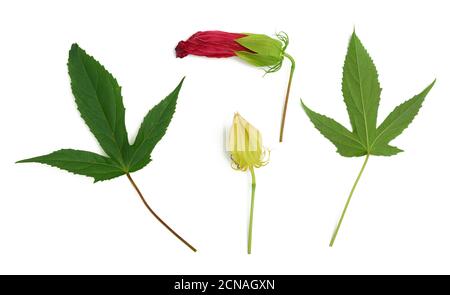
point(291, 74)
point(348, 201)
point(250, 224)
point(156, 216)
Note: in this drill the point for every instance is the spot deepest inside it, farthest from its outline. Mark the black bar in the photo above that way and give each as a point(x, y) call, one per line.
point(225, 284)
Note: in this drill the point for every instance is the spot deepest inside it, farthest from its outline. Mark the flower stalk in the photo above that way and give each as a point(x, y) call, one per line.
point(291, 74)
point(252, 206)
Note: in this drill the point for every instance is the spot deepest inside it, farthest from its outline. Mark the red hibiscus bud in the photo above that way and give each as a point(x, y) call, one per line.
point(211, 44)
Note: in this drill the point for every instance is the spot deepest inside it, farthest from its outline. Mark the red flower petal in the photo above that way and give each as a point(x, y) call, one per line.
point(211, 44)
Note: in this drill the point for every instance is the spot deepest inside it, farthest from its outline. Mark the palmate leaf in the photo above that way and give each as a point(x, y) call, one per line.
point(361, 91)
point(99, 101)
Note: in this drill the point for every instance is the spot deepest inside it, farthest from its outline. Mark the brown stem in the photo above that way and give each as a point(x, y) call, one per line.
point(291, 74)
point(156, 216)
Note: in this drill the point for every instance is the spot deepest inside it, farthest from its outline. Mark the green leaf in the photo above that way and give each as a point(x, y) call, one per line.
point(81, 162)
point(347, 143)
point(99, 100)
point(399, 119)
point(152, 129)
point(361, 91)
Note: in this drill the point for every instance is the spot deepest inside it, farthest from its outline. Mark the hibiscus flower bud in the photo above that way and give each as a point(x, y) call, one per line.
point(245, 145)
point(256, 49)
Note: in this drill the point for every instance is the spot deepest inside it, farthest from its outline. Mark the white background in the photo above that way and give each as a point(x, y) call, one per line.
point(52, 221)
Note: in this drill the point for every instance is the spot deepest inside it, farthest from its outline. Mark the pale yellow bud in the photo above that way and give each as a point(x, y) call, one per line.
point(245, 145)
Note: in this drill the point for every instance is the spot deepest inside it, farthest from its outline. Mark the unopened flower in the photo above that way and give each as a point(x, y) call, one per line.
point(247, 153)
point(256, 49)
point(245, 145)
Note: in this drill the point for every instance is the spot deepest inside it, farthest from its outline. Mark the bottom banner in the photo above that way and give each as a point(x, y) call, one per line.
point(222, 284)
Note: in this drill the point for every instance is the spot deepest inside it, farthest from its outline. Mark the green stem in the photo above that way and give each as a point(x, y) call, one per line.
point(156, 216)
point(283, 118)
point(250, 224)
point(348, 201)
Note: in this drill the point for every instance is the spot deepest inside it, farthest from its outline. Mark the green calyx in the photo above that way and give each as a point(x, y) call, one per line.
point(266, 51)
